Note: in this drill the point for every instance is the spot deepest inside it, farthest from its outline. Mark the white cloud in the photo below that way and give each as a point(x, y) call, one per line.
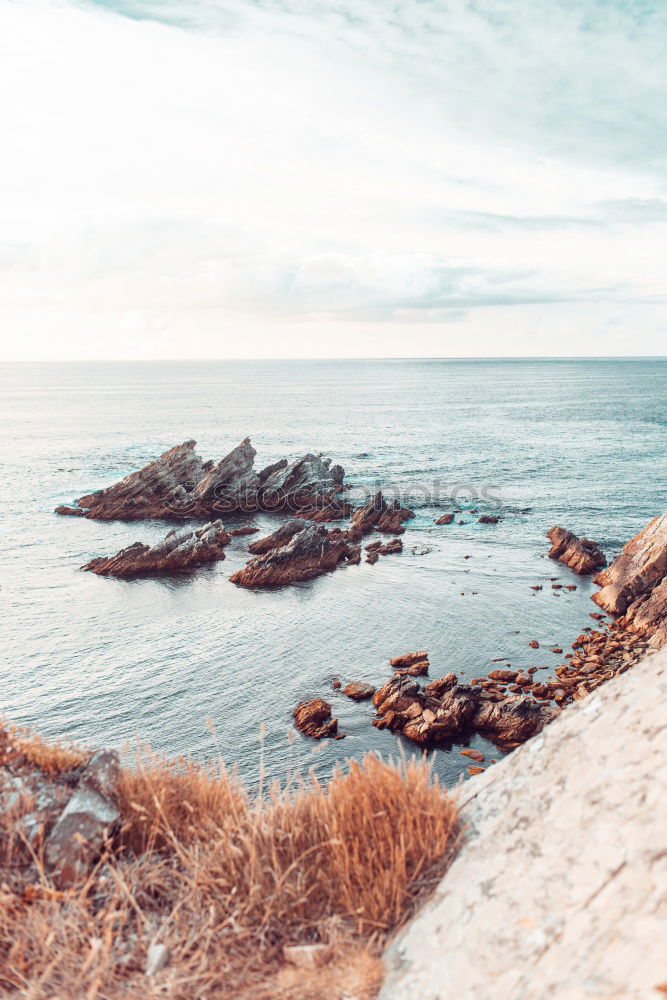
point(214, 179)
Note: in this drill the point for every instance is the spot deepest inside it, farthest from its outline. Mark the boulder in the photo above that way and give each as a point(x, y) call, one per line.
point(309, 553)
point(407, 659)
point(180, 551)
point(86, 821)
point(313, 718)
point(488, 519)
point(582, 555)
point(358, 691)
point(444, 519)
point(440, 685)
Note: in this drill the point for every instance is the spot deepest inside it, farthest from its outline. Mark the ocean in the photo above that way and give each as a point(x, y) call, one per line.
point(195, 665)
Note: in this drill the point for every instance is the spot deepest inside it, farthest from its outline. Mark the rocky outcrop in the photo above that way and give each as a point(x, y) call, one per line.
point(310, 552)
point(181, 550)
point(557, 889)
point(178, 484)
point(580, 554)
point(635, 585)
point(313, 718)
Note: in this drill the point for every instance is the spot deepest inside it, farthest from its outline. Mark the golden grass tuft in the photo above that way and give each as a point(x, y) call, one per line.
point(224, 879)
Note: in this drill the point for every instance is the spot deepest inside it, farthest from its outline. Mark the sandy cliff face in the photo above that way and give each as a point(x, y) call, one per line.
point(558, 890)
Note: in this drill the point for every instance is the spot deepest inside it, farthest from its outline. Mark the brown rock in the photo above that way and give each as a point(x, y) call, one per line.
point(407, 659)
point(475, 770)
point(245, 530)
point(313, 718)
point(581, 554)
point(439, 686)
point(488, 519)
point(444, 519)
point(534, 644)
point(395, 545)
point(473, 754)
point(503, 675)
point(513, 719)
point(358, 691)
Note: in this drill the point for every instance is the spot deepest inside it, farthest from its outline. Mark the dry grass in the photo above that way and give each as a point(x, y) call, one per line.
point(224, 880)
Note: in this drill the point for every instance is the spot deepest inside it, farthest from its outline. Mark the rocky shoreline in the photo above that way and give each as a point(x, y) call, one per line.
point(508, 706)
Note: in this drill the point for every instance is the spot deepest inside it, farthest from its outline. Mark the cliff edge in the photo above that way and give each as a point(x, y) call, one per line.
point(558, 890)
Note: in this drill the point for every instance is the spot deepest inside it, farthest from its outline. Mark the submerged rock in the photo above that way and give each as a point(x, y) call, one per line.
point(635, 585)
point(310, 552)
point(582, 555)
point(313, 718)
point(180, 551)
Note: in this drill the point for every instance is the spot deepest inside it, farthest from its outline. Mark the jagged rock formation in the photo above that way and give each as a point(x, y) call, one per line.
point(179, 484)
point(310, 552)
point(313, 718)
point(445, 710)
point(635, 585)
point(180, 551)
point(281, 536)
point(581, 554)
point(557, 889)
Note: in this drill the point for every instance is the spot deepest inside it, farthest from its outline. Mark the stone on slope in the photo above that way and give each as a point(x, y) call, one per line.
point(181, 550)
point(86, 821)
point(582, 555)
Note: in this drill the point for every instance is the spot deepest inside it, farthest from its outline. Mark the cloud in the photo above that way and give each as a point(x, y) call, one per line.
point(217, 165)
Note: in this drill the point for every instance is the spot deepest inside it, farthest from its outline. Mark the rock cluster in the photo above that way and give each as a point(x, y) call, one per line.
point(635, 585)
point(581, 554)
point(313, 718)
point(445, 710)
point(300, 550)
point(180, 551)
point(179, 484)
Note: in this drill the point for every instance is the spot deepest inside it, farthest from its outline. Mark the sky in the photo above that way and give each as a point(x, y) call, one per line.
point(332, 178)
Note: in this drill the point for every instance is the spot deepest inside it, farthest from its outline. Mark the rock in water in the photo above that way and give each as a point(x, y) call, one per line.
point(358, 691)
point(151, 491)
point(313, 718)
point(179, 484)
point(580, 554)
point(444, 519)
point(635, 585)
point(310, 552)
point(180, 551)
